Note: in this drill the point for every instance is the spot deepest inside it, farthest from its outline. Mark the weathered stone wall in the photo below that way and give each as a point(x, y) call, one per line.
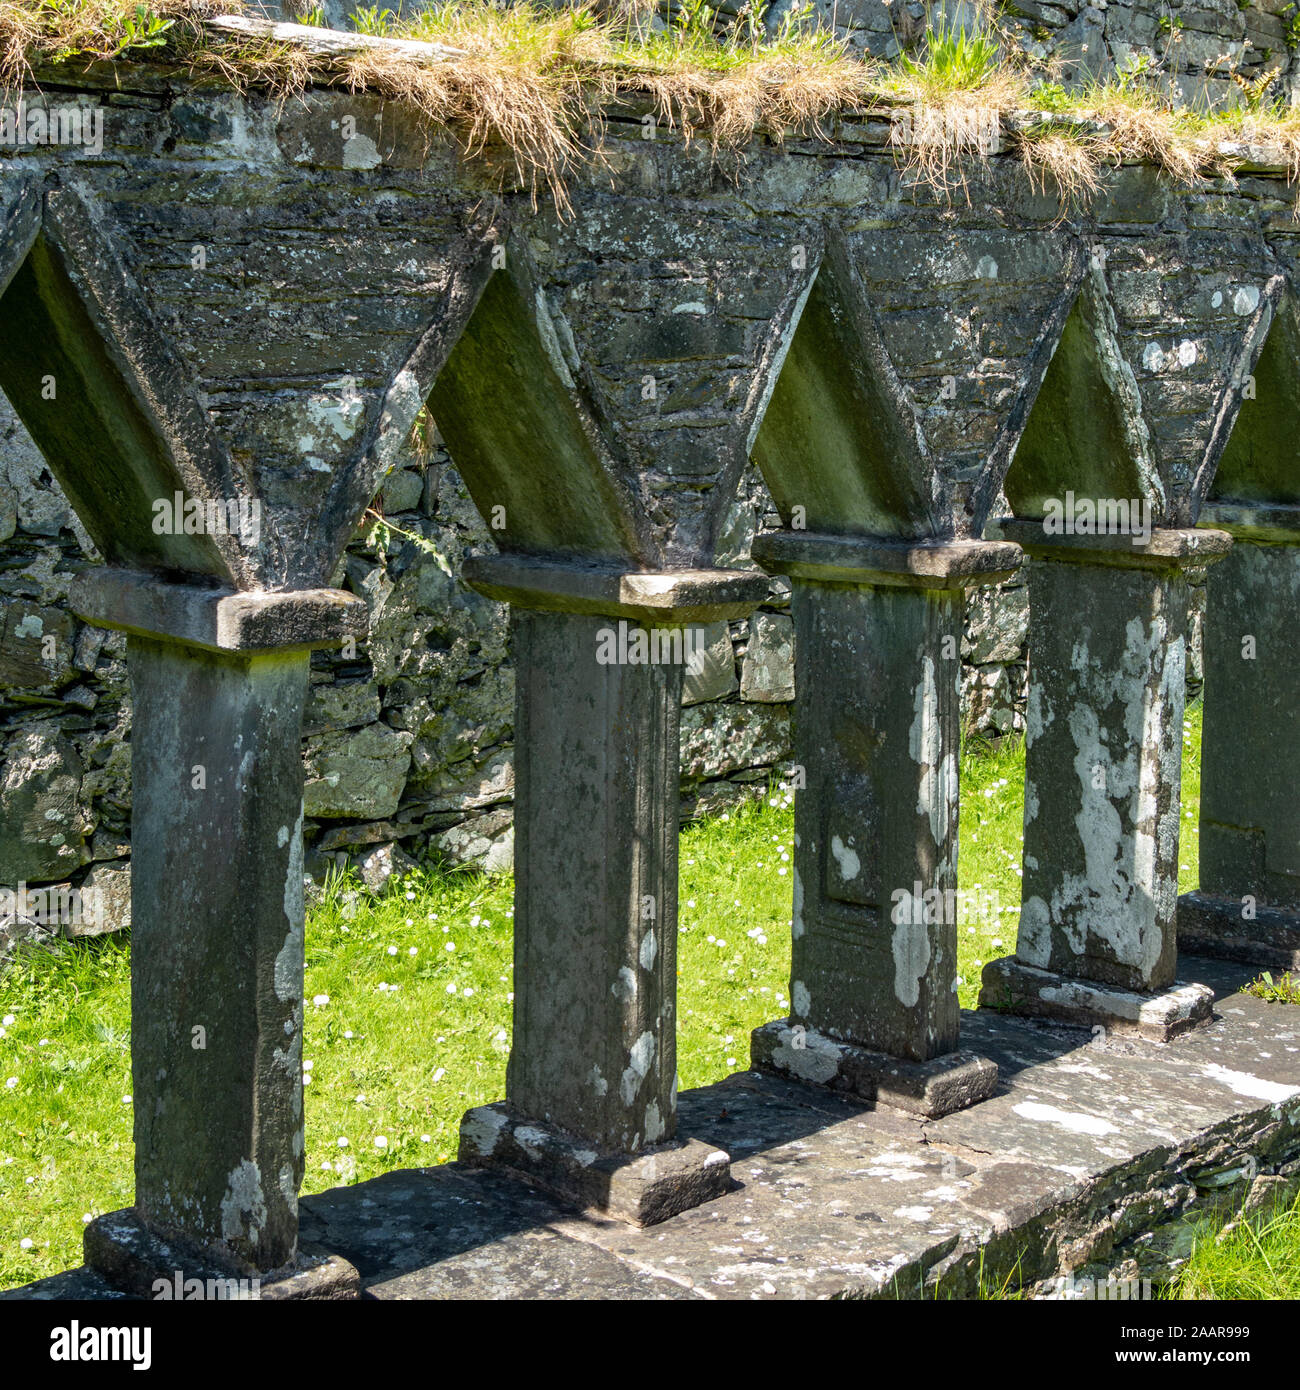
point(1190, 44)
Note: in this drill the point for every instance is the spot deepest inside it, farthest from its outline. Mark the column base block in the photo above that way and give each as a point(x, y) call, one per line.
point(1013, 987)
point(139, 1259)
point(642, 1188)
point(933, 1088)
point(1213, 926)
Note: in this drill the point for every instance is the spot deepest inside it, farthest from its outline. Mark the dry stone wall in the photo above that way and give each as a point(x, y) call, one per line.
point(1191, 45)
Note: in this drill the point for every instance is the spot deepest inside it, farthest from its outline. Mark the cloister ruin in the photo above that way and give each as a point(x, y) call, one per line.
point(241, 300)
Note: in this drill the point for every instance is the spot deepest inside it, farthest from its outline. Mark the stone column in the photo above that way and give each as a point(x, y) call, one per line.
point(878, 630)
point(1107, 636)
point(218, 686)
point(1247, 907)
point(591, 1088)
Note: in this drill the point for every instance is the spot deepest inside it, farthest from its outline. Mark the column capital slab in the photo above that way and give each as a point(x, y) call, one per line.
point(668, 597)
point(1264, 523)
point(1165, 548)
point(215, 619)
point(871, 561)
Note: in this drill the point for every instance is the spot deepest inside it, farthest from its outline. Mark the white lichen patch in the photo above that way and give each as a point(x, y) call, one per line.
point(1034, 937)
point(481, 1129)
point(801, 998)
point(847, 859)
point(1245, 301)
point(911, 949)
point(1073, 1120)
point(289, 962)
point(806, 1054)
point(640, 1056)
point(243, 1208)
point(936, 792)
point(531, 1140)
point(1253, 1086)
point(361, 152)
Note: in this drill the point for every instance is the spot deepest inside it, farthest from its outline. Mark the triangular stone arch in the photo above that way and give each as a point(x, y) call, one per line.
point(1085, 432)
point(103, 395)
point(840, 440)
point(523, 435)
point(1257, 458)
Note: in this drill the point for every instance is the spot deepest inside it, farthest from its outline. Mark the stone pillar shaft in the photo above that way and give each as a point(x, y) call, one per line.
point(877, 734)
point(595, 920)
point(219, 682)
point(217, 945)
point(1247, 906)
point(1107, 637)
point(878, 630)
point(591, 1091)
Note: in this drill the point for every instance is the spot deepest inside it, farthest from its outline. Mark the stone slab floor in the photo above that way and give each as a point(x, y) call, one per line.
point(1087, 1144)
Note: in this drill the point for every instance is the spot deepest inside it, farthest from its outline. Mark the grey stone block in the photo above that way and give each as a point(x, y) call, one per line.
point(932, 1088)
point(1104, 756)
point(642, 1189)
point(357, 773)
point(768, 672)
point(1210, 925)
point(1009, 984)
point(216, 1030)
point(139, 1259)
point(714, 674)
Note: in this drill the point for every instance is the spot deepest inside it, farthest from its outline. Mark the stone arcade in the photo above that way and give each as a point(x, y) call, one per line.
point(799, 304)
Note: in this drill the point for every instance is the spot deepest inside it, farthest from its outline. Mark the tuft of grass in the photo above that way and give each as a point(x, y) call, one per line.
point(1250, 1258)
point(955, 59)
point(1284, 990)
point(957, 91)
point(1067, 158)
point(522, 83)
point(58, 31)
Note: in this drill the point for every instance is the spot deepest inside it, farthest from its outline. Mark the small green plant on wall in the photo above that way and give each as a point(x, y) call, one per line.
point(1285, 989)
point(1290, 18)
point(370, 19)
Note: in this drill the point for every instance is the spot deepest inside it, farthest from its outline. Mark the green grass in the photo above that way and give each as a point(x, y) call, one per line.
point(1257, 1259)
point(409, 1003)
point(953, 58)
point(1284, 989)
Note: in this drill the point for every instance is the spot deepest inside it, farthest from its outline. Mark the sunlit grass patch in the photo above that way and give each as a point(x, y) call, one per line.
point(1254, 1258)
point(1280, 989)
